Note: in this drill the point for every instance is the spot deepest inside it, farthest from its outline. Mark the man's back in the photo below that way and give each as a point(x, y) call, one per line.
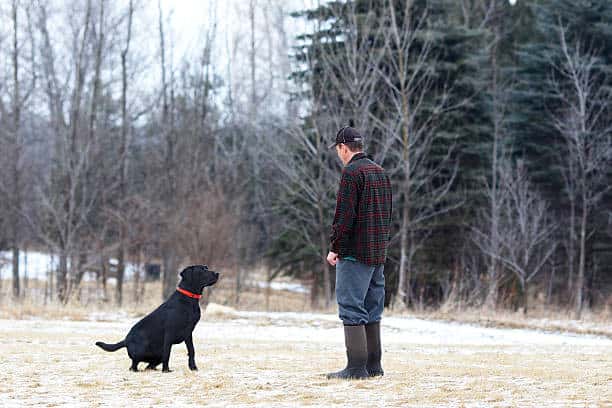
point(363, 212)
point(359, 238)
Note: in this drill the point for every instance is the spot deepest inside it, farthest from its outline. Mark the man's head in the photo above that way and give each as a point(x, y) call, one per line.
point(348, 143)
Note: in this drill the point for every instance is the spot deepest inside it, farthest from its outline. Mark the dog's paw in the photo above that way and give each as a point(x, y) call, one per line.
point(166, 370)
point(193, 368)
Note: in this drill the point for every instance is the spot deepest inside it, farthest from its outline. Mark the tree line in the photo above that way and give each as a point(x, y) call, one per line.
point(492, 120)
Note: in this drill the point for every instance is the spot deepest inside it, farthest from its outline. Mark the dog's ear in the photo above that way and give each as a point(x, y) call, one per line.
point(182, 274)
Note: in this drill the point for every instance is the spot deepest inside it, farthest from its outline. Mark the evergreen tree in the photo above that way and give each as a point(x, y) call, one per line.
point(573, 39)
point(439, 54)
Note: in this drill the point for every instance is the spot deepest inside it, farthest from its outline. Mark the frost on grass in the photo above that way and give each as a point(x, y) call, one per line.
point(279, 359)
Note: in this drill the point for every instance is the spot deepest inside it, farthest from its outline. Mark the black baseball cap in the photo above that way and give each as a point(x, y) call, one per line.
point(347, 134)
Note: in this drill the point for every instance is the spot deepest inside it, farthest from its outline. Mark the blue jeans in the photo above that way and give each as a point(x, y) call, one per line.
point(360, 292)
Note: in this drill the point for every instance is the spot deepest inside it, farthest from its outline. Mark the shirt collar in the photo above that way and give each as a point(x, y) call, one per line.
point(357, 156)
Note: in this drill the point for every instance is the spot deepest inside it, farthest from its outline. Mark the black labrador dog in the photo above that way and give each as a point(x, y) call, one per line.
point(151, 339)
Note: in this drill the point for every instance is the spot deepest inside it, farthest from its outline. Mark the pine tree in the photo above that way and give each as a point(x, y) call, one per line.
point(569, 35)
point(440, 55)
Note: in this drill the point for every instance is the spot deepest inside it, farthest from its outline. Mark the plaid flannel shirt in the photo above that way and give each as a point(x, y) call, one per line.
point(363, 212)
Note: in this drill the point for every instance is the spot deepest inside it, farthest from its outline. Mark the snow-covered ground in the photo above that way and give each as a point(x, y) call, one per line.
point(408, 330)
point(34, 265)
point(294, 327)
point(287, 286)
point(279, 359)
point(38, 265)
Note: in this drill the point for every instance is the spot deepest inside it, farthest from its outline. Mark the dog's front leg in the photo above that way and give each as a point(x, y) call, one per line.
point(191, 353)
point(166, 353)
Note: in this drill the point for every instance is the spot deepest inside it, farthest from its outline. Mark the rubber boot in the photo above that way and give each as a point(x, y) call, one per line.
point(356, 354)
point(374, 349)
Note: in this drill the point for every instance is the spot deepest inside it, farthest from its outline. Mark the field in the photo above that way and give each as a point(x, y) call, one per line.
point(279, 359)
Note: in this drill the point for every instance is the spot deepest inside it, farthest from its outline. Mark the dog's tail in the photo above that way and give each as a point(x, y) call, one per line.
point(111, 347)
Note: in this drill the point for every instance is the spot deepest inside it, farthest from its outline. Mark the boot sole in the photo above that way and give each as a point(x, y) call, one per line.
point(343, 375)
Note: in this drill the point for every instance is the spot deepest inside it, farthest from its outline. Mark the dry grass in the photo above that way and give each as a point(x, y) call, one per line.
point(55, 363)
point(595, 323)
point(90, 302)
point(48, 359)
point(91, 306)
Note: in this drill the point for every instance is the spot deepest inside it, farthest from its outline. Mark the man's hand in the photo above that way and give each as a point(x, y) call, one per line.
point(332, 258)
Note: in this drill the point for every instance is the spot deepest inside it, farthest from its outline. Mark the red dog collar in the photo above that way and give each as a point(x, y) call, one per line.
point(188, 293)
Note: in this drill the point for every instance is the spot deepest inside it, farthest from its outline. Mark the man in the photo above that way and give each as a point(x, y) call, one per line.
point(360, 233)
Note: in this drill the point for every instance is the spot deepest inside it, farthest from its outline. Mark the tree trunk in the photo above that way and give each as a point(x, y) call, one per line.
point(137, 279)
point(62, 274)
point(403, 290)
point(16, 289)
point(314, 291)
point(525, 297)
point(581, 265)
point(324, 250)
point(170, 277)
point(551, 282)
point(77, 276)
point(120, 267)
point(15, 199)
point(492, 290)
point(269, 282)
point(571, 246)
point(25, 273)
point(493, 272)
point(123, 160)
point(104, 276)
point(238, 286)
point(253, 95)
point(97, 68)
point(404, 284)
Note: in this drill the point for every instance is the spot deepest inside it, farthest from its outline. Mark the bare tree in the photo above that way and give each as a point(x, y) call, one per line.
point(66, 197)
point(346, 92)
point(349, 65)
point(307, 183)
point(252, 63)
point(489, 14)
point(14, 145)
point(525, 228)
point(479, 13)
point(16, 153)
point(170, 258)
point(409, 132)
point(584, 124)
point(123, 150)
point(19, 90)
point(186, 160)
point(4, 208)
point(307, 180)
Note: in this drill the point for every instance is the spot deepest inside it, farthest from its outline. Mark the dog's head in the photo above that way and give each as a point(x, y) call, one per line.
point(196, 277)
